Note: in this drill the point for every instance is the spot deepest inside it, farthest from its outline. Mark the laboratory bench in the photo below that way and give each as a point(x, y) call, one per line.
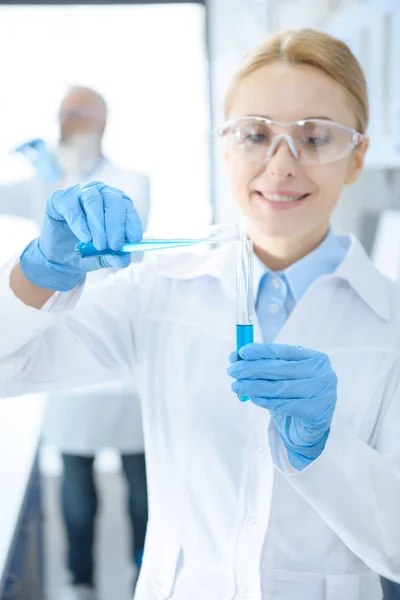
point(21, 516)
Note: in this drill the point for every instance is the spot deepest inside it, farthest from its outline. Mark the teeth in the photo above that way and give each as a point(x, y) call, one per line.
point(279, 198)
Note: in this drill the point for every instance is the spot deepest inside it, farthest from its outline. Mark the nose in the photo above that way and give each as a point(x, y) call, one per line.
point(282, 157)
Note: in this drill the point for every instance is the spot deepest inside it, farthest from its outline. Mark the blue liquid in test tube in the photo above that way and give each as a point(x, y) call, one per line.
point(244, 335)
point(244, 297)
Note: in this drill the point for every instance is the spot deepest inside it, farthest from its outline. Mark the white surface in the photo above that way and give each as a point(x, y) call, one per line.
point(20, 423)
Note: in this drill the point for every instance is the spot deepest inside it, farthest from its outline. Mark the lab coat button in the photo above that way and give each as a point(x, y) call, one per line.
point(260, 449)
point(247, 593)
point(273, 308)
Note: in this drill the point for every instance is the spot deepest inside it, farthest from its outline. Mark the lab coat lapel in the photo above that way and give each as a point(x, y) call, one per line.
point(308, 322)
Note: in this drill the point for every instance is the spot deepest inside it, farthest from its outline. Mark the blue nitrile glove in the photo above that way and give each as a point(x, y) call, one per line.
point(38, 154)
point(81, 213)
point(297, 386)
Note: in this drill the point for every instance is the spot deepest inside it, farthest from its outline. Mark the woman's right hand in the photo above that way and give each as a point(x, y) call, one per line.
point(91, 212)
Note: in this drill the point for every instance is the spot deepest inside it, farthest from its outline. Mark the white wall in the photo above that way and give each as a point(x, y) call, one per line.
point(293, 14)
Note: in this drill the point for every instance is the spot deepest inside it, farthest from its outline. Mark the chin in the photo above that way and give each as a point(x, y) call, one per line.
point(277, 232)
point(273, 227)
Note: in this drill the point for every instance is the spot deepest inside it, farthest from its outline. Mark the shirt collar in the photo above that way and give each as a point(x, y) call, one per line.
point(324, 260)
point(356, 269)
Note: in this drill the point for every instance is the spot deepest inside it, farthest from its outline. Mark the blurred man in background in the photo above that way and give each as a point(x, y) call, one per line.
point(77, 157)
point(82, 423)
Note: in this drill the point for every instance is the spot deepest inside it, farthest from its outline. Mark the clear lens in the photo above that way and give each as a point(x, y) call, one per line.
point(323, 142)
point(317, 141)
point(253, 138)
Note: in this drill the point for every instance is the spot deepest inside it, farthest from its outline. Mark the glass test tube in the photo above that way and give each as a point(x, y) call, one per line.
point(214, 233)
point(244, 297)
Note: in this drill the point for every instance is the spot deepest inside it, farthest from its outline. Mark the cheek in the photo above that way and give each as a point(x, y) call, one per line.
point(329, 180)
point(240, 176)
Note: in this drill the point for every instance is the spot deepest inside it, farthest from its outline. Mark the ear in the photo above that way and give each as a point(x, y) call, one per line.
point(356, 163)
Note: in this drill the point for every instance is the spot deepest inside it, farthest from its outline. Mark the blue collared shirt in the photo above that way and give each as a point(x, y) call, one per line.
point(279, 291)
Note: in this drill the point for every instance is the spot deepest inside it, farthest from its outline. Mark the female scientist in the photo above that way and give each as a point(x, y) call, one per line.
point(294, 495)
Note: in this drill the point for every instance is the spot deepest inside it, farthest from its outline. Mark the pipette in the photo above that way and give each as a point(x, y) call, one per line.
point(244, 297)
point(214, 233)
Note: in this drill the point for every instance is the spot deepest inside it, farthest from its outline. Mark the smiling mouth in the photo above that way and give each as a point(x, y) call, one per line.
point(282, 198)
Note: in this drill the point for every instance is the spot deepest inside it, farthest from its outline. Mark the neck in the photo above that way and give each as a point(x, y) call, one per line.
point(279, 253)
point(100, 154)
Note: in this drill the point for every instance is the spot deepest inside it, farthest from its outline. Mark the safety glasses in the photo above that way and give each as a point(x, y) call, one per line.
point(311, 141)
point(77, 113)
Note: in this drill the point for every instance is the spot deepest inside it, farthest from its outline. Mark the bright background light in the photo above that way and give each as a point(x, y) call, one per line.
point(150, 64)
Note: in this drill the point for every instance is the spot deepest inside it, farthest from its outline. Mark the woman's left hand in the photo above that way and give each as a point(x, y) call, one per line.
point(298, 386)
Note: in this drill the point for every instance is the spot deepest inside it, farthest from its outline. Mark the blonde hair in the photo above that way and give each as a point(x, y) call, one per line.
point(315, 48)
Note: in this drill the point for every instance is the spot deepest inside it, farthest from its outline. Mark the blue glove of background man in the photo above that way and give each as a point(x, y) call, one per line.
point(39, 155)
point(298, 387)
point(92, 212)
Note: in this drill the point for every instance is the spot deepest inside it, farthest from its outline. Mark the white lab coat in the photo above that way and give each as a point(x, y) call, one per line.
point(27, 198)
point(229, 518)
point(85, 421)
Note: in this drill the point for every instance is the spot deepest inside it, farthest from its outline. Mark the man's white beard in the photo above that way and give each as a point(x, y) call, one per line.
point(79, 154)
